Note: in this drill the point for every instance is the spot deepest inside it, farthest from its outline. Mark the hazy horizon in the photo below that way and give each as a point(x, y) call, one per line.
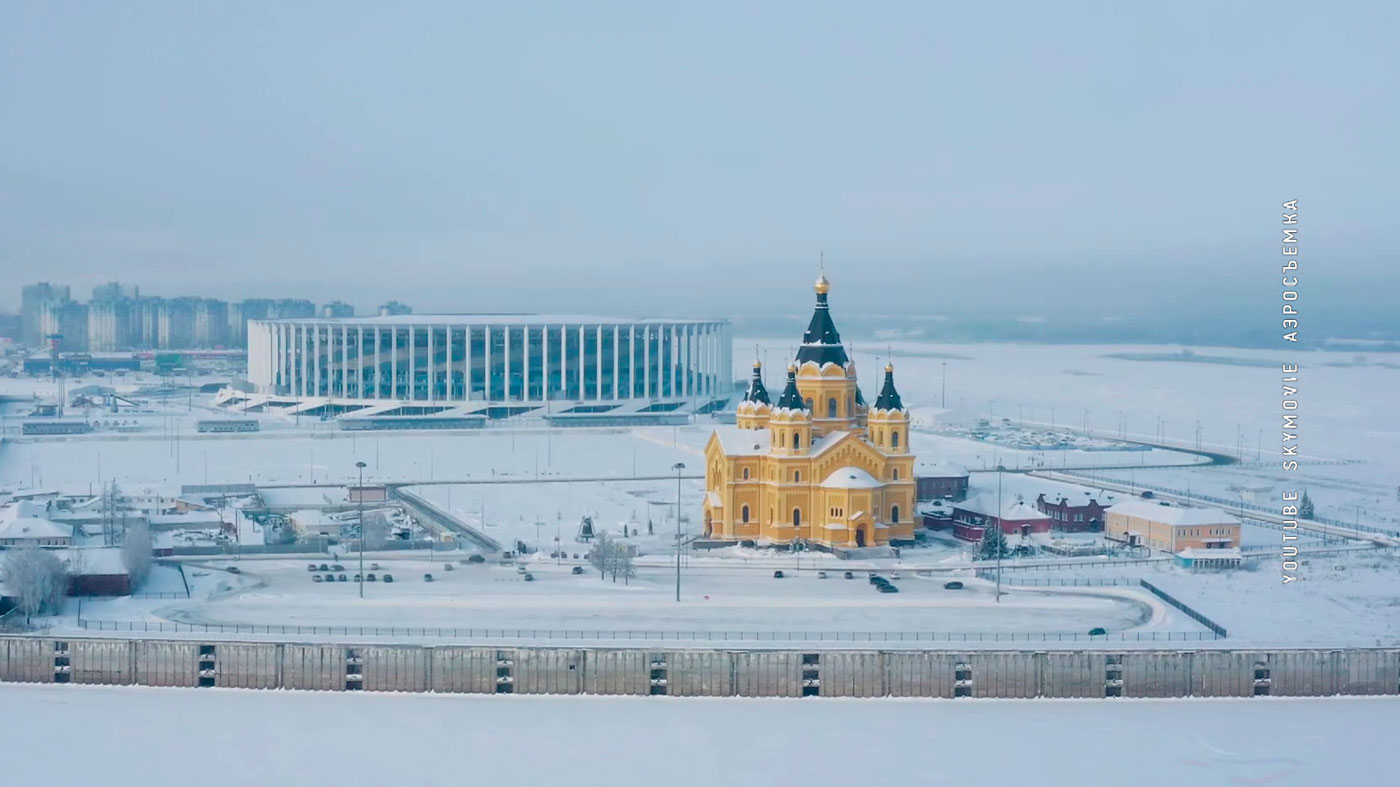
point(638, 160)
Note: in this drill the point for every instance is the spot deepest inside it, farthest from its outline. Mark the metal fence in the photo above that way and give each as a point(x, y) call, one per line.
point(1215, 628)
point(1072, 582)
point(643, 635)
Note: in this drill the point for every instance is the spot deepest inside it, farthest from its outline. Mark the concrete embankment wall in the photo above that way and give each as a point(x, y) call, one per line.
point(701, 673)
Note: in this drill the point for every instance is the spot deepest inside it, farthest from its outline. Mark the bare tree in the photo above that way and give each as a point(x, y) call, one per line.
point(37, 579)
point(600, 553)
point(136, 552)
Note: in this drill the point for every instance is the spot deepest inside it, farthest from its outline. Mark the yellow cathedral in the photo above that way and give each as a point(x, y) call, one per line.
point(819, 466)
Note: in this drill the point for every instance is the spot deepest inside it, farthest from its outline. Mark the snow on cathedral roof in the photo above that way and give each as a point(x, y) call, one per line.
point(851, 478)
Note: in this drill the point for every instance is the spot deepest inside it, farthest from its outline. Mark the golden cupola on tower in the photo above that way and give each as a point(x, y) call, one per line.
point(830, 473)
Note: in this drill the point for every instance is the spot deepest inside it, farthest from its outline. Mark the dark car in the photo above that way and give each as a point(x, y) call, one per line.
point(357, 578)
point(529, 577)
point(1097, 632)
point(234, 570)
point(427, 577)
point(577, 570)
point(388, 577)
point(371, 578)
point(954, 585)
point(476, 559)
point(330, 577)
point(323, 567)
point(874, 578)
point(850, 575)
point(887, 588)
point(777, 575)
point(821, 575)
point(341, 578)
point(337, 567)
point(448, 567)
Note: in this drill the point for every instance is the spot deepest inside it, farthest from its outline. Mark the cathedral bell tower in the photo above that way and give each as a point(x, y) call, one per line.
point(826, 377)
point(754, 409)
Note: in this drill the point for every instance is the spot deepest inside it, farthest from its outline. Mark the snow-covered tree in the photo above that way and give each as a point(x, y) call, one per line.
point(136, 552)
point(1305, 506)
point(37, 579)
point(993, 542)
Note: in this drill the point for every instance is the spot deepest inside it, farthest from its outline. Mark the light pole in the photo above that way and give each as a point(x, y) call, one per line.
point(1001, 533)
point(678, 467)
point(944, 397)
point(360, 505)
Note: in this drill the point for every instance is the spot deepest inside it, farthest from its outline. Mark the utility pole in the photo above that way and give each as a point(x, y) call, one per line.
point(360, 505)
point(678, 467)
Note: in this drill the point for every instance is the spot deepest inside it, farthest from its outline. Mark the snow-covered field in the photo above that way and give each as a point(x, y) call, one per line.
point(717, 596)
point(133, 736)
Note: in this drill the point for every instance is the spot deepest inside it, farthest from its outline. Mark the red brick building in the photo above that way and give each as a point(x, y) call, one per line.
point(972, 517)
point(939, 480)
point(1072, 516)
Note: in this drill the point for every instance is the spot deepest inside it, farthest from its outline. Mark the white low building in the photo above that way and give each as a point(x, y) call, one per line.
point(25, 524)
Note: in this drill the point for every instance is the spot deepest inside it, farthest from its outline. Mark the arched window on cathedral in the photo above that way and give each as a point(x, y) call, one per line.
point(796, 440)
point(894, 438)
point(796, 517)
point(782, 439)
point(797, 476)
point(744, 514)
point(894, 514)
point(746, 474)
point(880, 437)
point(894, 474)
point(831, 407)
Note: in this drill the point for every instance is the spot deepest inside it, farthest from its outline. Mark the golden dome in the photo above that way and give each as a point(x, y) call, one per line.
point(889, 367)
point(757, 364)
point(822, 284)
point(792, 368)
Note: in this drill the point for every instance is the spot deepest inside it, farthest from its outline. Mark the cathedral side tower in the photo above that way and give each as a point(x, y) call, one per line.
point(754, 409)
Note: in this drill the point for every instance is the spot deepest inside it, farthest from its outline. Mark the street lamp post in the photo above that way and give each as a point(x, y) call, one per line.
point(360, 505)
point(1001, 533)
point(678, 467)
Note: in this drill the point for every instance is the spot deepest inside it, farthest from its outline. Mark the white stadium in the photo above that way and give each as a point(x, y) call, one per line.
point(487, 366)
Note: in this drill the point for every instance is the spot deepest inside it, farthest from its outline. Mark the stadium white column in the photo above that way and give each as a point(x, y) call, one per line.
point(598, 362)
point(360, 362)
point(544, 362)
point(393, 361)
point(646, 361)
point(467, 363)
point(617, 331)
point(447, 363)
point(432, 366)
point(486, 371)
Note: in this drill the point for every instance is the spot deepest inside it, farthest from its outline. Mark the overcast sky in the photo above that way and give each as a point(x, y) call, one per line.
point(690, 157)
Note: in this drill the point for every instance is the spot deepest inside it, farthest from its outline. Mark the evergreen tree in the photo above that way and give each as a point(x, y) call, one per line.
point(1305, 508)
point(993, 542)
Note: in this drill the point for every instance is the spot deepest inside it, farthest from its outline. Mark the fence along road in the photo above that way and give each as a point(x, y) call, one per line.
point(751, 672)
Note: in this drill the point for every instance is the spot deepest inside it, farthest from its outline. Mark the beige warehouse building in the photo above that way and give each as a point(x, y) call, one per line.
point(1171, 527)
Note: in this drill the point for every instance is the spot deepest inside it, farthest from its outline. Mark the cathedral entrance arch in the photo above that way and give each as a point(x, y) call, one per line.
point(860, 535)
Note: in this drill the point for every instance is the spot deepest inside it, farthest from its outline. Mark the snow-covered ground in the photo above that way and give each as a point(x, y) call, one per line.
point(717, 596)
point(145, 736)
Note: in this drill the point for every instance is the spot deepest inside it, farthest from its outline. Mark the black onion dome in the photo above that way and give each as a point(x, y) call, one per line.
point(791, 398)
point(757, 393)
point(821, 344)
point(889, 397)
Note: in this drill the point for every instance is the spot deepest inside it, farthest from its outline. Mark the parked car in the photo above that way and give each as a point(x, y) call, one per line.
point(374, 566)
point(850, 575)
point(894, 575)
point(777, 575)
point(954, 585)
point(330, 577)
point(388, 577)
point(887, 588)
point(323, 567)
point(529, 577)
point(821, 575)
point(427, 577)
point(234, 570)
point(310, 566)
point(371, 578)
point(358, 578)
point(341, 578)
point(448, 567)
point(337, 567)
point(577, 570)
point(1097, 632)
point(476, 559)
point(520, 569)
point(876, 578)
point(316, 578)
